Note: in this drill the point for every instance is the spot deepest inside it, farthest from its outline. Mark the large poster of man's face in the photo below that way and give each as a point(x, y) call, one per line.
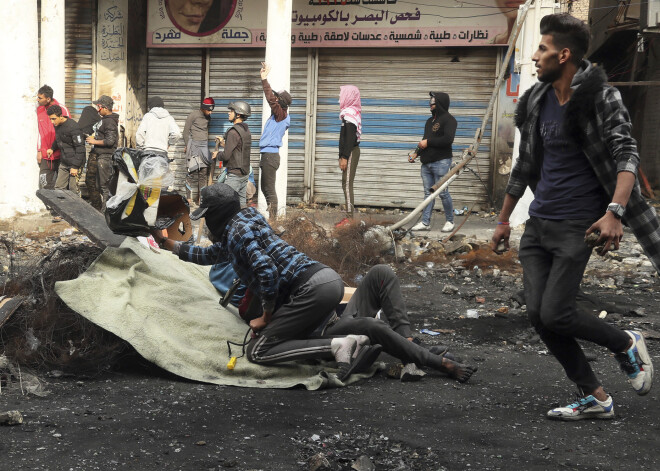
point(199, 17)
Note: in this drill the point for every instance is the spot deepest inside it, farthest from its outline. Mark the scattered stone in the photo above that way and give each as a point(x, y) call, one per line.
point(394, 371)
point(12, 417)
point(319, 462)
point(410, 373)
point(480, 299)
point(363, 463)
point(472, 314)
point(638, 312)
point(449, 289)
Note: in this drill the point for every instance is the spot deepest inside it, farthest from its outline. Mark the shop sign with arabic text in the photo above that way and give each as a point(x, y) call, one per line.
point(333, 23)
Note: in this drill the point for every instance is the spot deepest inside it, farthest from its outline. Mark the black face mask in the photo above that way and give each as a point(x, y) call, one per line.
point(218, 217)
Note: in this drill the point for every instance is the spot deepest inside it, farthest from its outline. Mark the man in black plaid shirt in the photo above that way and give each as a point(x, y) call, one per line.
point(580, 160)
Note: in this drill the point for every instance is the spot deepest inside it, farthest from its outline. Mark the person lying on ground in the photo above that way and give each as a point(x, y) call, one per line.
point(297, 294)
point(380, 290)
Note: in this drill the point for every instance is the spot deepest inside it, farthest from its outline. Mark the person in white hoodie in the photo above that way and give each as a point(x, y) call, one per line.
point(158, 130)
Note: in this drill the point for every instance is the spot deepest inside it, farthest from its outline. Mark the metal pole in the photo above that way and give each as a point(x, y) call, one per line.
point(278, 55)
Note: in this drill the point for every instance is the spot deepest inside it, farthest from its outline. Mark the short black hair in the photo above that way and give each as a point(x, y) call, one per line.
point(54, 109)
point(46, 91)
point(567, 32)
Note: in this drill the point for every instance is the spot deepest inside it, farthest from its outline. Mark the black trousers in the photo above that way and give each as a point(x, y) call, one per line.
point(270, 162)
point(380, 290)
point(554, 255)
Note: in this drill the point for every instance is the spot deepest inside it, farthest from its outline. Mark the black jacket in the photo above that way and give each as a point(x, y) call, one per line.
point(347, 139)
point(108, 132)
point(439, 131)
point(71, 144)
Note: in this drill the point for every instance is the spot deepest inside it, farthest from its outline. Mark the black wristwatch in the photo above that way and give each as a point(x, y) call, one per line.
point(616, 209)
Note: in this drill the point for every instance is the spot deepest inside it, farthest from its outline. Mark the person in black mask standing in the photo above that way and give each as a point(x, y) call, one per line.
point(435, 153)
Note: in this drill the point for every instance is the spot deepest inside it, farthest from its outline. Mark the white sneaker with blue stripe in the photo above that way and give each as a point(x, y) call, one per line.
point(587, 407)
point(636, 364)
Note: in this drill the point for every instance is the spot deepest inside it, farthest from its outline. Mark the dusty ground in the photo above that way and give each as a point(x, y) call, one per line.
point(140, 418)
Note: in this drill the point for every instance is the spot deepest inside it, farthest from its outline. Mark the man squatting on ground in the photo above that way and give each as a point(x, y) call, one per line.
point(196, 139)
point(436, 155)
point(48, 163)
point(237, 144)
point(158, 130)
point(297, 293)
point(276, 273)
point(577, 155)
point(99, 164)
point(70, 142)
point(271, 139)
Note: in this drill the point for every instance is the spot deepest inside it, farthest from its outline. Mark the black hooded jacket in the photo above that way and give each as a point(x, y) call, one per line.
point(70, 142)
point(439, 131)
point(108, 132)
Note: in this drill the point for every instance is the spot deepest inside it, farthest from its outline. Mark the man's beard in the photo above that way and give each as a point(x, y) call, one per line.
point(552, 74)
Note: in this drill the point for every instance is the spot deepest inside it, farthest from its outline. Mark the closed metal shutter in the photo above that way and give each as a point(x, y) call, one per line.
point(234, 75)
point(394, 87)
point(79, 21)
point(175, 75)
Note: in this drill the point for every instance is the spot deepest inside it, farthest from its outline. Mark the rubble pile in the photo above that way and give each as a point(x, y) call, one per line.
point(344, 249)
point(43, 333)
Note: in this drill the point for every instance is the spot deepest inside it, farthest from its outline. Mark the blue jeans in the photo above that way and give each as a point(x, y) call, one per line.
point(431, 173)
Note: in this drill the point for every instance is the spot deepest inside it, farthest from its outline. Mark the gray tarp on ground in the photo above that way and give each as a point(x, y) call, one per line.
point(169, 312)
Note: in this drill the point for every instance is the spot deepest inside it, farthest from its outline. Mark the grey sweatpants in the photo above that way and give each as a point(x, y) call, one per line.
point(285, 338)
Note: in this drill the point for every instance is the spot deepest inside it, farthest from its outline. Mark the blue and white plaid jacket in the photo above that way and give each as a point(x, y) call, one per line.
point(269, 266)
point(598, 120)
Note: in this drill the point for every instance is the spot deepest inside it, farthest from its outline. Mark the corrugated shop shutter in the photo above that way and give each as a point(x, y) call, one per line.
point(175, 75)
point(79, 20)
point(234, 75)
point(394, 87)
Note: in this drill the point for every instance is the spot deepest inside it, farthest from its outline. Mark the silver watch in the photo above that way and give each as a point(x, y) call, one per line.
point(616, 209)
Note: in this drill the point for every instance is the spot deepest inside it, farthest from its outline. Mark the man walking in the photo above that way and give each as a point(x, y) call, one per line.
point(435, 153)
point(271, 139)
point(579, 159)
point(69, 141)
point(99, 164)
point(48, 164)
point(196, 139)
point(237, 144)
point(158, 130)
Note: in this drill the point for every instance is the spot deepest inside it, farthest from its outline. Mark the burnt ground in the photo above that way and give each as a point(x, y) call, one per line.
point(140, 418)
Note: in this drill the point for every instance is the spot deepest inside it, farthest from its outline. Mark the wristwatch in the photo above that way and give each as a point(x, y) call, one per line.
point(616, 209)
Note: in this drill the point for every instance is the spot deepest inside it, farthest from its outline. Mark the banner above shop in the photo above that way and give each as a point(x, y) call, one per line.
point(333, 23)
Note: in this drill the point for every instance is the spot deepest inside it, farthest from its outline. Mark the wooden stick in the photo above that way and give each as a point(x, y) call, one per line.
point(209, 183)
